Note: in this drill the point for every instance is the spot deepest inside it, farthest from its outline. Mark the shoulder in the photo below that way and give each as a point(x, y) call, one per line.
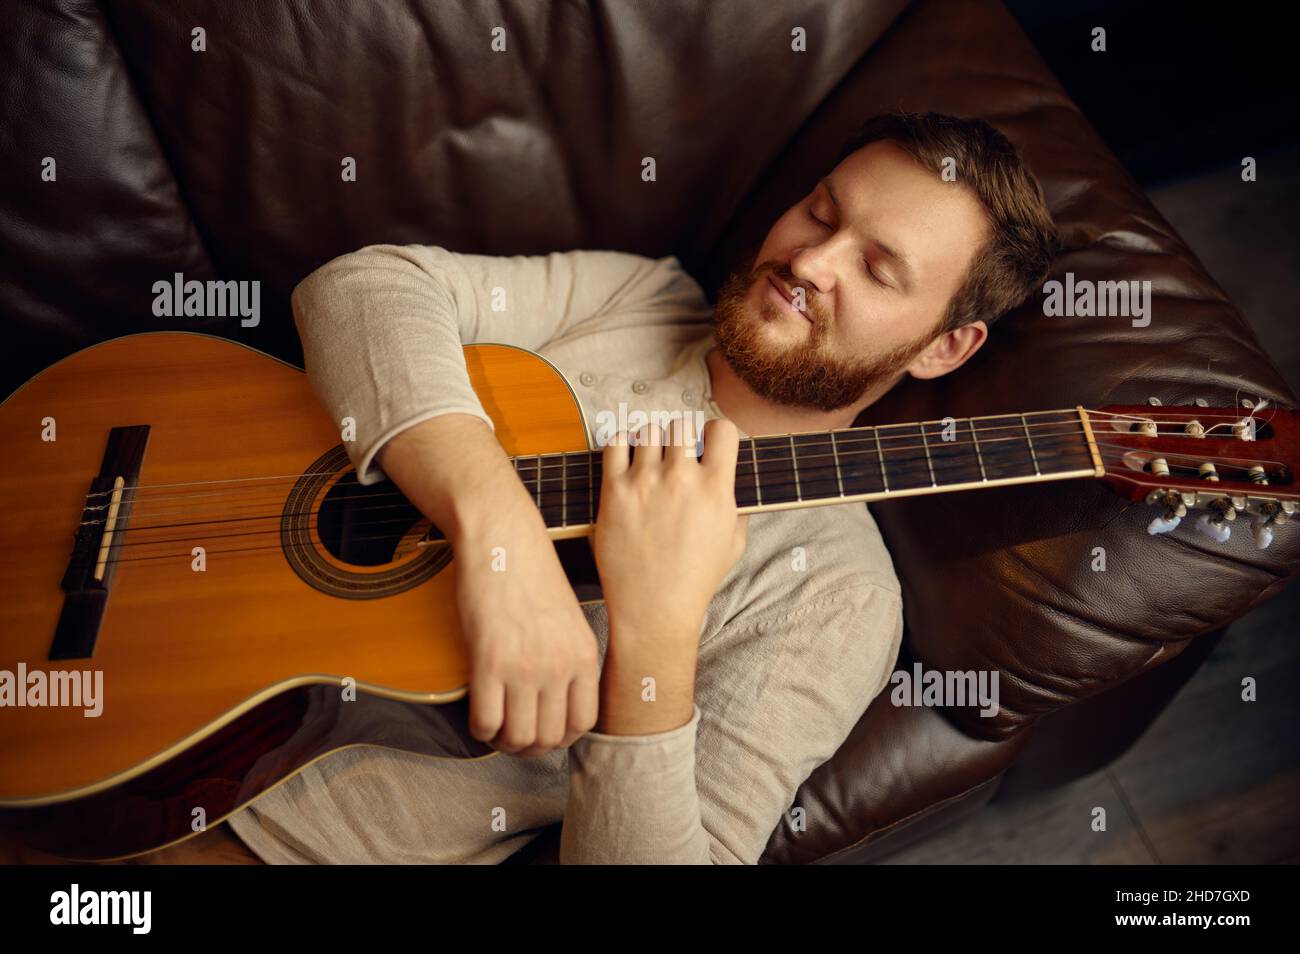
point(649, 280)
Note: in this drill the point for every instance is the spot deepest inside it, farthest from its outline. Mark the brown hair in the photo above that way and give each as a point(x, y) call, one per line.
point(1013, 263)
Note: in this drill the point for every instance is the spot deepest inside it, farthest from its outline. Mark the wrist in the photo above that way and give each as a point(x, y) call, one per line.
point(654, 628)
point(498, 507)
point(644, 692)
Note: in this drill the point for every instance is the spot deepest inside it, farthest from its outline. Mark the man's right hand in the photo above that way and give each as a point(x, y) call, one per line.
point(534, 660)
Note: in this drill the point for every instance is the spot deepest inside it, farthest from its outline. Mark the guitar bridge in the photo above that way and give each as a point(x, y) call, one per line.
point(104, 519)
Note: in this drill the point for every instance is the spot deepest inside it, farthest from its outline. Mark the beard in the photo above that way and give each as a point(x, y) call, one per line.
point(806, 374)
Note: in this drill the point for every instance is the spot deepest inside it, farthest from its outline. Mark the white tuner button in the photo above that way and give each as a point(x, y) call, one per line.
point(1214, 529)
point(1163, 524)
point(1263, 534)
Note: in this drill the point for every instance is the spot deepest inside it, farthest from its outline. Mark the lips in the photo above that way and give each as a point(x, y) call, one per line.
point(784, 293)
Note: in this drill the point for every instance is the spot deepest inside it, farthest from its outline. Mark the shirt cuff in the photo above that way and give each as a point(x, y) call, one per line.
point(632, 799)
point(653, 738)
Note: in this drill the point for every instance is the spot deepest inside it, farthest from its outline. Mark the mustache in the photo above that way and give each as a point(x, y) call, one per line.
point(811, 303)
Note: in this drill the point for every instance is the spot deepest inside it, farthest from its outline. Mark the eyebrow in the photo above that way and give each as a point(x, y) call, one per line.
point(908, 274)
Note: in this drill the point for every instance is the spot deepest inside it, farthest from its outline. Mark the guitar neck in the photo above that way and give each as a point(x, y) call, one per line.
point(852, 464)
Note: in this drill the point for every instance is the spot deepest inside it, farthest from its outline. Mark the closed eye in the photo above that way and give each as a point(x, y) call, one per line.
point(869, 270)
point(813, 215)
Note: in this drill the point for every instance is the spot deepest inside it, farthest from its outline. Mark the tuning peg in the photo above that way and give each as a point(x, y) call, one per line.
point(1271, 513)
point(1175, 510)
point(1216, 529)
point(1263, 531)
point(1164, 524)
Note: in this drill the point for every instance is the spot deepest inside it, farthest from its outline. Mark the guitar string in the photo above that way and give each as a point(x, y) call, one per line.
point(537, 487)
point(824, 472)
point(852, 437)
point(531, 485)
point(850, 443)
point(809, 458)
point(847, 432)
point(187, 555)
point(772, 485)
point(525, 468)
point(406, 521)
point(387, 537)
point(840, 432)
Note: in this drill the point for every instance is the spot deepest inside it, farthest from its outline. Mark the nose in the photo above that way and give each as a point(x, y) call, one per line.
point(813, 266)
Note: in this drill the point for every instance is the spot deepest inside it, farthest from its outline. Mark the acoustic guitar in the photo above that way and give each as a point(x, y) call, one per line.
point(198, 599)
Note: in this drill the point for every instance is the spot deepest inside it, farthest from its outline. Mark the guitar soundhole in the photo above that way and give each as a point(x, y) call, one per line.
point(355, 542)
point(364, 525)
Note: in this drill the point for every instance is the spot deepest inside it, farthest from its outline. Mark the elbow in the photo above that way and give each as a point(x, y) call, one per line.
point(305, 295)
point(318, 287)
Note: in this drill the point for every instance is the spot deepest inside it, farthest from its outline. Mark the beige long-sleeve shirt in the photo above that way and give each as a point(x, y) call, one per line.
point(800, 637)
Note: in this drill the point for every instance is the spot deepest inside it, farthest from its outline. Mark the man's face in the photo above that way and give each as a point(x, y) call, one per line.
point(878, 249)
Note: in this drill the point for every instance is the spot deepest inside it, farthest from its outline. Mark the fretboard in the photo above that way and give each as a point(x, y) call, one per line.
point(852, 464)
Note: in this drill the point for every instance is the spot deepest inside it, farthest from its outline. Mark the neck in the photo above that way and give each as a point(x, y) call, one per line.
point(854, 464)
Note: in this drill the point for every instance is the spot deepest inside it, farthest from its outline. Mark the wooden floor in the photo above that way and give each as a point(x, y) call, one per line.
point(1215, 780)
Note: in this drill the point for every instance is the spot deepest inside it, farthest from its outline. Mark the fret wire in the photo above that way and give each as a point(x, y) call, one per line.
point(928, 459)
point(770, 470)
point(881, 454)
point(986, 454)
point(1070, 417)
point(910, 460)
point(519, 467)
point(564, 490)
point(1030, 441)
point(983, 446)
point(753, 458)
point(839, 477)
point(835, 459)
point(978, 455)
point(794, 463)
point(1073, 431)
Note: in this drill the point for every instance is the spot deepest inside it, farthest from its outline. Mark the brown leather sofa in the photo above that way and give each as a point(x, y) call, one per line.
point(226, 163)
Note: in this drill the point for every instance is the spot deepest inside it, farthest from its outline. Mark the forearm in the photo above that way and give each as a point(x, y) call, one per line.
point(631, 706)
point(456, 473)
point(632, 796)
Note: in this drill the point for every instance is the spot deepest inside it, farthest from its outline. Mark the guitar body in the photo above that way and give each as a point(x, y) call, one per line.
point(233, 618)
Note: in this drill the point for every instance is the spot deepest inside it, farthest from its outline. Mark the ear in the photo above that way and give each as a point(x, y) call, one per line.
point(949, 351)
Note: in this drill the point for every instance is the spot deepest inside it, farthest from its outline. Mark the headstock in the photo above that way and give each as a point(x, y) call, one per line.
point(1226, 462)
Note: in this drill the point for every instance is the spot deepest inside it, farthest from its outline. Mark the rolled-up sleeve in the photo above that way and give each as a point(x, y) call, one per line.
point(383, 328)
